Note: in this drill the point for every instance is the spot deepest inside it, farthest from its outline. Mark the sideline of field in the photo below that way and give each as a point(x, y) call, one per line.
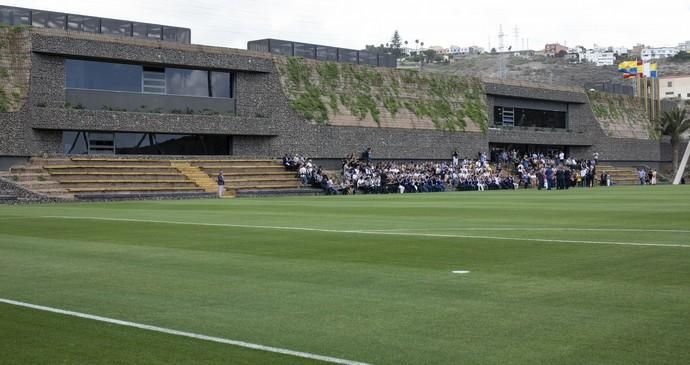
point(305, 355)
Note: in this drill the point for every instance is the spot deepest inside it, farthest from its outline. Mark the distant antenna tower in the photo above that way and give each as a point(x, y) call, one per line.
point(516, 35)
point(489, 39)
point(501, 35)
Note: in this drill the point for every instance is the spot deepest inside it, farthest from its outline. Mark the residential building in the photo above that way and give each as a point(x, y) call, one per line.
point(600, 57)
point(459, 51)
point(675, 87)
point(552, 49)
point(658, 53)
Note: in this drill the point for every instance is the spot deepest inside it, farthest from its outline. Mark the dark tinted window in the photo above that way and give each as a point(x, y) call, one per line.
point(80, 74)
point(347, 55)
point(326, 53)
point(82, 23)
point(20, 17)
point(221, 84)
point(368, 58)
point(258, 46)
point(47, 19)
point(304, 50)
point(5, 15)
point(281, 47)
point(186, 82)
point(116, 27)
point(74, 143)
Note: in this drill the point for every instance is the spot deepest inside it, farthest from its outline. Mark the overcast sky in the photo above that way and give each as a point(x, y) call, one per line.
point(354, 23)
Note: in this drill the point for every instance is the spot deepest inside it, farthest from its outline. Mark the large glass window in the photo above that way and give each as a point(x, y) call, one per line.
point(181, 81)
point(47, 19)
point(83, 23)
point(305, 50)
point(145, 143)
point(347, 55)
point(523, 117)
point(5, 15)
point(81, 74)
point(147, 31)
point(324, 53)
point(96, 75)
point(221, 84)
point(281, 47)
point(20, 17)
point(116, 27)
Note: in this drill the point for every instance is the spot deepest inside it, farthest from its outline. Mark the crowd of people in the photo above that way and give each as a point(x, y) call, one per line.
point(554, 171)
point(309, 173)
point(509, 170)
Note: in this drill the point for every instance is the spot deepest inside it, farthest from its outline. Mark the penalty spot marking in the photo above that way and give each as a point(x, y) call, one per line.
point(460, 272)
point(305, 355)
point(368, 232)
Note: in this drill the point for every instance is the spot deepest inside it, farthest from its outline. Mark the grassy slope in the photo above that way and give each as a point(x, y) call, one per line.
point(385, 299)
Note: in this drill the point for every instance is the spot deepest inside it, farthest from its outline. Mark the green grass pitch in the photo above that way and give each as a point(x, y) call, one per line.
point(597, 276)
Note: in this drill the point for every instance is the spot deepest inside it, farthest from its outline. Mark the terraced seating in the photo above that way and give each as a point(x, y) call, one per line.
point(114, 178)
point(620, 175)
point(250, 175)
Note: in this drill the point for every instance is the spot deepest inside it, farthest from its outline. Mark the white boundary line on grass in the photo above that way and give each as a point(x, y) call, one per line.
point(536, 229)
point(306, 355)
point(286, 228)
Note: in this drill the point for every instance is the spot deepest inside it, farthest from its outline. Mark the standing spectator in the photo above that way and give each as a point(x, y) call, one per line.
point(641, 174)
point(653, 179)
point(455, 159)
point(221, 184)
point(366, 155)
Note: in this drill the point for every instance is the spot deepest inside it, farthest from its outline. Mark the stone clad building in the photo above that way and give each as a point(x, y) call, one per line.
point(72, 91)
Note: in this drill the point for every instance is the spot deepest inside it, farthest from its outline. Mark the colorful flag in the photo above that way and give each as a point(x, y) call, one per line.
point(650, 69)
point(640, 68)
point(627, 67)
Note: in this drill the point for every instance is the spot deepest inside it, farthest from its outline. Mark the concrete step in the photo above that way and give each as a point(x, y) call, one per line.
point(117, 169)
point(91, 196)
point(278, 192)
point(127, 184)
point(118, 177)
point(21, 169)
point(237, 179)
point(262, 186)
point(133, 189)
point(243, 169)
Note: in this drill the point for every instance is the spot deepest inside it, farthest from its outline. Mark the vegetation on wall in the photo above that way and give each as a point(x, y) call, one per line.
point(11, 89)
point(620, 112)
point(321, 90)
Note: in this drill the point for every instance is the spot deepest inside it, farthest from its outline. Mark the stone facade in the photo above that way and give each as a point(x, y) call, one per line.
point(264, 124)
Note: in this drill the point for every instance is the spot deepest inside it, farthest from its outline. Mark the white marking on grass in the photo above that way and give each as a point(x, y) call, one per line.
point(557, 229)
point(460, 272)
point(368, 232)
point(306, 355)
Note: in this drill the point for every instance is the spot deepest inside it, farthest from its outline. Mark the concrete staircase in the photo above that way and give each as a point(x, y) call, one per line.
point(195, 174)
point(620, 175)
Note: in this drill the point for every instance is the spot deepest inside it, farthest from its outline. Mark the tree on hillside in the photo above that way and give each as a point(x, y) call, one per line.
point(396, 44)
point(430, 55)
point(673, 124)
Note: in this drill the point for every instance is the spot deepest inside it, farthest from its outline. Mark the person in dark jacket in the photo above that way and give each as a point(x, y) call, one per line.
point(221, 184)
